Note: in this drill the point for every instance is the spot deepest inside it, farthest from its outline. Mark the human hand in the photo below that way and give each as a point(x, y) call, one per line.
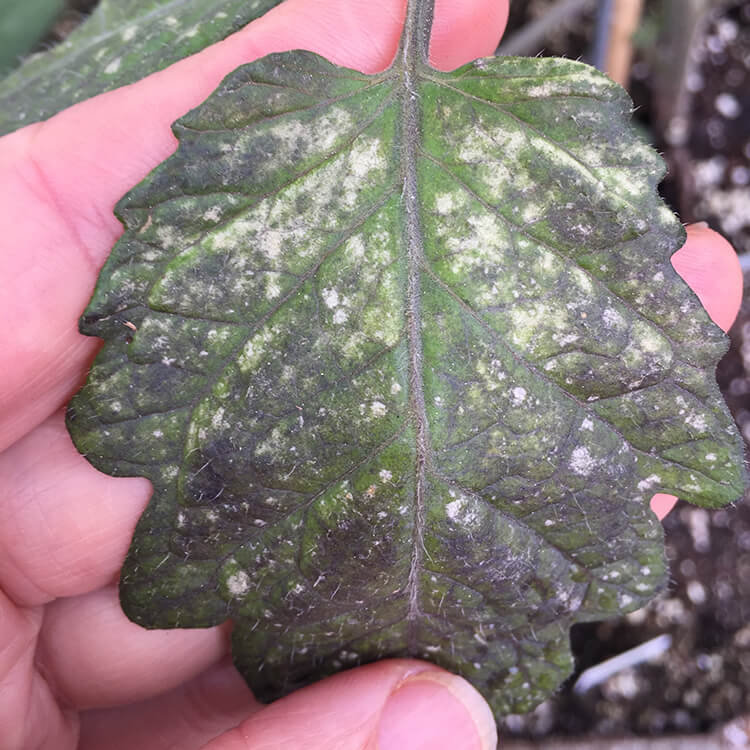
point(70, 662)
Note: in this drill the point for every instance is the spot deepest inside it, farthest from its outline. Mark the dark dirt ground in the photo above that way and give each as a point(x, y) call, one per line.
point(703, 680)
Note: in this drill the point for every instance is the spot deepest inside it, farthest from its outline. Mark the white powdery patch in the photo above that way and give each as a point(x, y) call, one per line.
point(651, 341)
point(129, 33)
point(271, 242)
point(541, 91)
point(250, 356)
point(378, 409)
point(330, 297)
point(113, 67)
point(563, 339)
point(453, 508)
point(366, 157)
point(444, 203)
point(581, 461)
point(238, 584)
point(696, 421)
point(355, 248)
point(385, 475)
point(365, 165)
point(340, 316)
point(526, 321)
point(587, 424)
point(649, 482)
point(532, 212)
point(459, 511)
point(217, 420)
point(612, 318)
point(273, 289)
point(496, 366)
point(519, 395)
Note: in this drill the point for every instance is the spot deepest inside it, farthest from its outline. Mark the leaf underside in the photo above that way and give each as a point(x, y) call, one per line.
point(410, 362)
point(122, 42)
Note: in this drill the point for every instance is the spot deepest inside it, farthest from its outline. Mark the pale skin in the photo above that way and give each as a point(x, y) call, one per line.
point(74, 672)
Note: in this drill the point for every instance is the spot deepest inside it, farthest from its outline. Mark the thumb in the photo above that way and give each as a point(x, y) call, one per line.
point(388, 705)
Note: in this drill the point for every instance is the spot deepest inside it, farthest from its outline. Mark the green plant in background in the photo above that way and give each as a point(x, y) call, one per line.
point(22, 24)
point(122, 41)
point(404, 358)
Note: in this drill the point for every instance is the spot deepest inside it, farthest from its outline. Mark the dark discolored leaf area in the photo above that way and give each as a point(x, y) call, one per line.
point(122, 42)
point(410, 362)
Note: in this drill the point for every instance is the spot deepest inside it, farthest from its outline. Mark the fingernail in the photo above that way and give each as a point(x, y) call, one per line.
point(436, 711)
point(700, 224)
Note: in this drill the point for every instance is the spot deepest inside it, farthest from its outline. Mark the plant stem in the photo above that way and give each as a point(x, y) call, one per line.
point(415, 39)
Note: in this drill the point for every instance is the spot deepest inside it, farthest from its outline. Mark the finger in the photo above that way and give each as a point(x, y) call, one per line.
point(186, 717)
point(662, 504)
point(49, 273)
point(64, 526)
point(389, 705)
point(29, 714)
point(709, 265)
point(463, 31)
point(96, 657)
point(62, 178)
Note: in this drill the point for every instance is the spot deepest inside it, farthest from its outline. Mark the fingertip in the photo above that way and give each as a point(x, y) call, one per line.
point(463, 31)
point(357, 34)
point(436, 710)
point(662, 504)
point(187, 716)
point(64, 526)
point(365, 35)
point(386, 705)
point(709, 265)
point(98, 658)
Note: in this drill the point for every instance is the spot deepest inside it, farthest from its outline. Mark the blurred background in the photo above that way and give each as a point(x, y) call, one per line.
point(677, 673)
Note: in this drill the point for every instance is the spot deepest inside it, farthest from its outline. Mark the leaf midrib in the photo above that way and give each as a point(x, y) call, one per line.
point(408, 66)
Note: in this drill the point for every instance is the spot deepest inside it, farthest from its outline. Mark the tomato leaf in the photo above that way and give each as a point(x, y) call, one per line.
point(410, 361)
